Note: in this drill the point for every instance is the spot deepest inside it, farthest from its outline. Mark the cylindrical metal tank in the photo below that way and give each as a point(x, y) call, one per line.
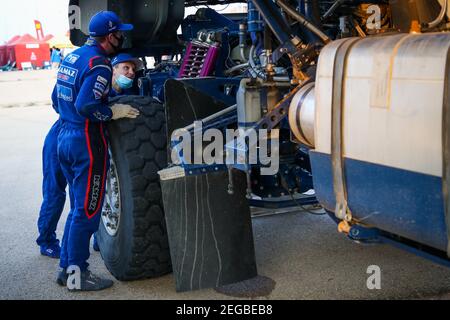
point(379, 103)
point(302, 114)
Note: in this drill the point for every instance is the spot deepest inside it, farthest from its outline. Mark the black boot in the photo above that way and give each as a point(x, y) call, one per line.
point(91, 282)
point(61, 279)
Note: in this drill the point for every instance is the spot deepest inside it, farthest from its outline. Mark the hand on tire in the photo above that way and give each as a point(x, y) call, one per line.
point(121, 111)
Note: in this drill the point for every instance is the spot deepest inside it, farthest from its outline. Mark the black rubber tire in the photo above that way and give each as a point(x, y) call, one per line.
point(140, 248)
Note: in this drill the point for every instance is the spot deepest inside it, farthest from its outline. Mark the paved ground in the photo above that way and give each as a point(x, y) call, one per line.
point(26, 88)
point(303, 254)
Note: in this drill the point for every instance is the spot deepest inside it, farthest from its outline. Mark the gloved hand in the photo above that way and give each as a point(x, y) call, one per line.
point(121, 111)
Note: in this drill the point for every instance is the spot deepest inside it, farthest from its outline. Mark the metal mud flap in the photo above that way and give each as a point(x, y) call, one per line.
point(210, 231)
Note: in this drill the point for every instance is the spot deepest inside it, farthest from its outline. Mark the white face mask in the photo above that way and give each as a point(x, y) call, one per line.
point(124, 82)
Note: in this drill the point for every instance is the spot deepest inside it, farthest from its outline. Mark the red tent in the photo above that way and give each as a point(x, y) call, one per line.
point(28, 49)
point(3, 51)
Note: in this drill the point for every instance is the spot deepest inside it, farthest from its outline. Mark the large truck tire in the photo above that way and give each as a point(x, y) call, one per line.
point(132, 235)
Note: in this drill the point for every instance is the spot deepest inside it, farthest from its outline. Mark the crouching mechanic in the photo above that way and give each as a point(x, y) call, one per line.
point(83, 84)
point(125, 67)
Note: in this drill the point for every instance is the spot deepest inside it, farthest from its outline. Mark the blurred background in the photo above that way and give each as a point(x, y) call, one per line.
point(34, 34)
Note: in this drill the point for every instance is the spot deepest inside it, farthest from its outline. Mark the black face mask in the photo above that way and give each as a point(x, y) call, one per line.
point(119, 46)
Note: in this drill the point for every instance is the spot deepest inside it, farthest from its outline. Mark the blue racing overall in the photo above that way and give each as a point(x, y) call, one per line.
point(83, 84)
point(53, 191)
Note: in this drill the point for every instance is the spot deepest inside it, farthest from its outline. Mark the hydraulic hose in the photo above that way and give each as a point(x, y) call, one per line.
point(332, 9)
point(238, 67)
point(303, 20)
point(253, 66)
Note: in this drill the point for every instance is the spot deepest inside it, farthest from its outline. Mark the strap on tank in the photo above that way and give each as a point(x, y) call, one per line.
point(342, 210)
point(446, 150)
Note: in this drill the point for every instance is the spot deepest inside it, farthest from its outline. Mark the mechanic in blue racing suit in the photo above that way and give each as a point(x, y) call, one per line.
point(54, 184)
point(83, 83)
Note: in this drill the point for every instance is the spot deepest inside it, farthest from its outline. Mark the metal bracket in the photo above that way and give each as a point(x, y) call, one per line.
point(281, 110)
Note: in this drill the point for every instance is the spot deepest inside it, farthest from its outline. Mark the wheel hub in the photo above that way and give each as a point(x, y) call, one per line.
point(112, 206)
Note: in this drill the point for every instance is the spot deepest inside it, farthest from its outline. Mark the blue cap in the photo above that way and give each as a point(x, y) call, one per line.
point(106, 22)
point(125, 57)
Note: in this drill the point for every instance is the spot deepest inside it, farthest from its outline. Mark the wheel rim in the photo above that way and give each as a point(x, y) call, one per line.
point(112, 206)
